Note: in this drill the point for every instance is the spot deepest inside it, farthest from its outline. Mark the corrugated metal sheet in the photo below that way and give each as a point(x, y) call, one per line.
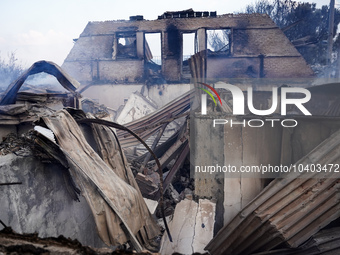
point(107, 184)
point(51, 68)
point(198, 65)
point(289, 210)
point(148, 125)
point(325, 242)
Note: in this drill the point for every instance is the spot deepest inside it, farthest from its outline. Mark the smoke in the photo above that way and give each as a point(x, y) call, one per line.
point(10, 69)
point(44, 81)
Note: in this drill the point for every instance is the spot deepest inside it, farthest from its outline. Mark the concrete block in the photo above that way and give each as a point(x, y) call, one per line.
point(191, 227)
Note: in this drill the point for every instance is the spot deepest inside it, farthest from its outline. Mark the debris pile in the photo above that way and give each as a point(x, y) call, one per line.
point(289, 210)
point(14, 243)
point(90, 156)
point(118, 177)
point(98, 171)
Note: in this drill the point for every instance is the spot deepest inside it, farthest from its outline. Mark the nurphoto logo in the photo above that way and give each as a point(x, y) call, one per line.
point(239, 103)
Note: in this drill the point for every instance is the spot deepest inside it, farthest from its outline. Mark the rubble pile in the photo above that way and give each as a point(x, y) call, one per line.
point(14, 243)
point(82, 177)
point(14, 144)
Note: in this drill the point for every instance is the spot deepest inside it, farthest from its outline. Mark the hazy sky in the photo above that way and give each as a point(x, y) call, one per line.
point(44, 29)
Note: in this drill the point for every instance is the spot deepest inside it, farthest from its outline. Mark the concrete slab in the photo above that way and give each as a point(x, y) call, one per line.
point(191, 227)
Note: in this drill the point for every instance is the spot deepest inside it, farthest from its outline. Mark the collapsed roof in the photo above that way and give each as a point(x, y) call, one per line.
point(41, 66)
point(105, 179)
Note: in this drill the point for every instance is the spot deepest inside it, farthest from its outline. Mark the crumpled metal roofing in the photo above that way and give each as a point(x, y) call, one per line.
point(148, 125)
point(105, 180)
point(41, 66)
point(324, 242)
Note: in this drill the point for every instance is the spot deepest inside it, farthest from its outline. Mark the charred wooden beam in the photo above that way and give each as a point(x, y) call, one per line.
point(155, 142)
point(3, 224)
point(10, 183)
point(178, 164)
point(146, 185)
point(172, 152)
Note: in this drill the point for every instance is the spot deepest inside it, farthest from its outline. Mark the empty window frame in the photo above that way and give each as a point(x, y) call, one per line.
point(219, 40)
point(188, 50)
point(126, 45)
point(188, 45)
point(153, 48)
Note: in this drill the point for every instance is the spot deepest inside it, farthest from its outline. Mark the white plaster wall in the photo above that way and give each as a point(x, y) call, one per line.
point(163, 94)
point(111, 95)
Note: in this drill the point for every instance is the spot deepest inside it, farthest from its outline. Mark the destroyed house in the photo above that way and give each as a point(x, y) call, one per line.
point(67, 142)
point(233, 46)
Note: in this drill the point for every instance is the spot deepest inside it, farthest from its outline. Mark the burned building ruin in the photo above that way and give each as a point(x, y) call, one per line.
point(88, 144)
point(115, 55)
